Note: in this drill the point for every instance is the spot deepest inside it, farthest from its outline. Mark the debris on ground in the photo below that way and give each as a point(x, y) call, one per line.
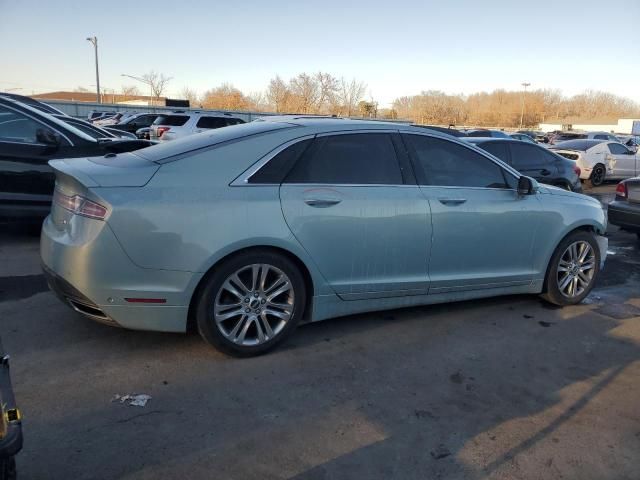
point(546, 324)
point(528, 316)
point(440, 452)
point(133, 400)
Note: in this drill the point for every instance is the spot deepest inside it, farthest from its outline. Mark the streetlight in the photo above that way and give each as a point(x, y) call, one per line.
point(143, 81)
point(525, 85)
point(94, 41)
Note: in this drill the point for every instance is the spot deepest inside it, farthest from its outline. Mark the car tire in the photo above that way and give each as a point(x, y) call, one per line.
point(237, 311)
point(566, 266)
point(8, 468)
point(598, 175)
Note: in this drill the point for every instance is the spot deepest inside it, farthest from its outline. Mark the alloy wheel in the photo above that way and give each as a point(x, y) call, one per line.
point(254, 304)
point(576, 269)
point(597, 176)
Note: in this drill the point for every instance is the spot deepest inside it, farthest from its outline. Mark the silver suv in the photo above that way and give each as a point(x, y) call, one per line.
point(183, 123)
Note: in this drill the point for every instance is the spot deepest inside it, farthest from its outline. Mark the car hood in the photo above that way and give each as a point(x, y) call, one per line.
point(561, 192)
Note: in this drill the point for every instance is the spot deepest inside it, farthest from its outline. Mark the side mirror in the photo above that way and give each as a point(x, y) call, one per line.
point(48, 137)
point(527, 186)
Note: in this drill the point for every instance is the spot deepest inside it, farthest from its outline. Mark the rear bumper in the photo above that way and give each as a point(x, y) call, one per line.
point(91, 273)
point(625, 215)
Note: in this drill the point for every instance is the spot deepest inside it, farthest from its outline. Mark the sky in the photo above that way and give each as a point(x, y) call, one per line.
point(396, 48)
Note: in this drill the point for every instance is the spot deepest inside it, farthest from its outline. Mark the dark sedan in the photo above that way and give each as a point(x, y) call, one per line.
point(624, 211)
point(29, 138)
point(135, 122)
point(534, 161)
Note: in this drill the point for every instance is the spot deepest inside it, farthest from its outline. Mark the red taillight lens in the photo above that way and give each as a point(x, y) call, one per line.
point(80, 205)
point(621, 190)
point(576, 169)
point(161, 130)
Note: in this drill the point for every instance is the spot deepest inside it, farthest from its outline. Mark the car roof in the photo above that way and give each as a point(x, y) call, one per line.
point(578, 144)
point(491, 139)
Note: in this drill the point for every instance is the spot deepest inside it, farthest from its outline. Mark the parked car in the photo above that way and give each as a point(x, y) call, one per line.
point(533, 160)
point(95, 114)
point(183, 123)
point(630, 141)
point(449, 131)
point(569, 135)
point(10, 422)
point(600, 160)
point(280, 221)
point(144, 133)
point(522, 137)
point(92, 130)
point(30, 138)
point(624, 210)
point(32, 102)
point(536, 135)
point(135, 122)
point(481, 132)
point(109, 119)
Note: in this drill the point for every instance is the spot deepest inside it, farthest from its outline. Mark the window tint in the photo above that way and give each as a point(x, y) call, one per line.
point(171, 120)
point(16, 127)
point(278, 167)
point(444, 163)
point(601, 137)
point(497, 149)
point(525, 156)
point(618, 149)
point(211, 122)
point(366, 158)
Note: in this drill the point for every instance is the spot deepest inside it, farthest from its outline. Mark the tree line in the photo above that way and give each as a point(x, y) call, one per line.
point(324, 94)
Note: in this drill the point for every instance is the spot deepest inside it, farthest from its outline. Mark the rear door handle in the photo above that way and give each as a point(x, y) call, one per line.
point(322, 202)
point(452, 201)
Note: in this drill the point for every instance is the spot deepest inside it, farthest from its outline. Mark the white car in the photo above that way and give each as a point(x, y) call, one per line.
point(183, 123)
point(600, 159)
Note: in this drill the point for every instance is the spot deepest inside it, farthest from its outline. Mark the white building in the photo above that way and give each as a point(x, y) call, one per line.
point(622, 125)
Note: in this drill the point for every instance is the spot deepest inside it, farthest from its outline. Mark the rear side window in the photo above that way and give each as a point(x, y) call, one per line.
point(277, 168)
point(601, 137)
point(525, 156)
point(444, 163)
point(360, 159)
point(497, 149)
point(211, 122)
point(171, 120)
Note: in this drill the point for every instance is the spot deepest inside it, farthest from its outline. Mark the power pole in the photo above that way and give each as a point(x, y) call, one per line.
point(94, 41)
point(525, 85)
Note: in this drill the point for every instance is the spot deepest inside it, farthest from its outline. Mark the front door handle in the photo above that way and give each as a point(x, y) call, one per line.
point(545, 172)
point(452, 201)
point(322, 202)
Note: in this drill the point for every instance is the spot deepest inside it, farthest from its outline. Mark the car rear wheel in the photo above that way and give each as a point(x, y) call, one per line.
point(251, 303)
point(598, 175)
point(573, 270)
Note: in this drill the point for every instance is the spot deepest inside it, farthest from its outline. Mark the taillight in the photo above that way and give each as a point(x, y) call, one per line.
point(160, 130)
point(576, 169)
point(621, 190)
point(79, 205)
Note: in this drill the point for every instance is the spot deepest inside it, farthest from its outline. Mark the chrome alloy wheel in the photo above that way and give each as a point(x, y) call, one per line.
point(254, 304)
point(576, 269)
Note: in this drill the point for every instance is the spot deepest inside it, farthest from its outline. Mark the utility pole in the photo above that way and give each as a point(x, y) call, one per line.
point(94, 41)
point(525, 85)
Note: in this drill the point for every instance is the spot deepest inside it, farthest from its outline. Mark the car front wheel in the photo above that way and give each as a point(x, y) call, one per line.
point(573, 270)
point(251, 303)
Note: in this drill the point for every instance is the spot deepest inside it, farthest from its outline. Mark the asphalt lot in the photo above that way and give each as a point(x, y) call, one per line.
point(503, 388)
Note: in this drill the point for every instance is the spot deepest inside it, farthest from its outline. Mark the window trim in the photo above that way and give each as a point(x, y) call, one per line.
point(506, 169)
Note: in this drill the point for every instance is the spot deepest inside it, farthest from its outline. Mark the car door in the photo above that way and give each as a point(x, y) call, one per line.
point(352, 204)
point(25, 177)
point(530, 160)
point(483, 231)
point(622, 161)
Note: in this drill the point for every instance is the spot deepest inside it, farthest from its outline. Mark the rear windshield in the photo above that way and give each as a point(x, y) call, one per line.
point(171, 120)
point(165, 151)
point(581, 145)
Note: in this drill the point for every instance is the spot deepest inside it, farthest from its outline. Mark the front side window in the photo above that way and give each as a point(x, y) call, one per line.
point(360, 159)
point(444, 163)
point(277, 168)
point(18, 128)
point(618, 149)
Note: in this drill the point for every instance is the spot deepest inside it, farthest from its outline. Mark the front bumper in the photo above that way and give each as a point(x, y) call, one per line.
point(625, 215)
point(89, 271)
point(10, 423)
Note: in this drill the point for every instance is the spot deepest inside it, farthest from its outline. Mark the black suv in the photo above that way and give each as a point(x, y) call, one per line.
point(29, 138)
point(534, 161)
point(135, 122)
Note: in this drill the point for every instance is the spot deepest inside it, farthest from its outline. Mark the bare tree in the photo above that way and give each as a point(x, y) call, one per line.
point(191, 95)
point(327, 93)
point(130, 91)
point(157, 82)
point(305, 93)
point(277, 94)
point(350, 94)
point(80, 89)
